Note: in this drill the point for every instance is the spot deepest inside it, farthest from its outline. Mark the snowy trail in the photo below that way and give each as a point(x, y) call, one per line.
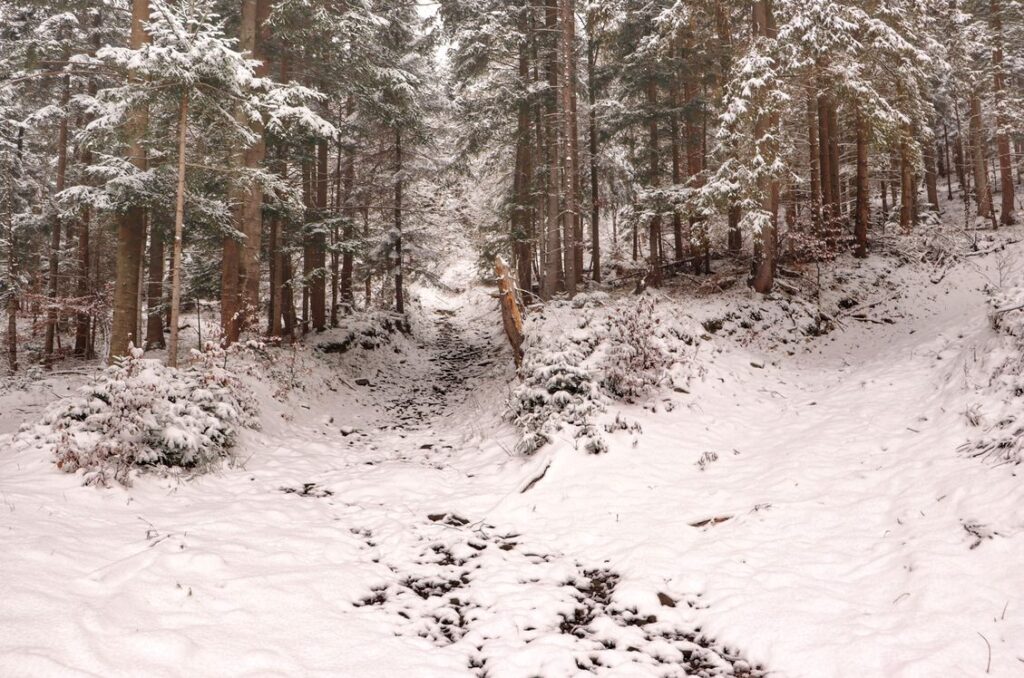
point(833, 534)
point(846, 548)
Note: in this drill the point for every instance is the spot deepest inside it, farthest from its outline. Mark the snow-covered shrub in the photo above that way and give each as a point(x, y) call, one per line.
point(610, 351)
point(1003, 440)
point(556, 389)
point(140, 414)
point(635, 359)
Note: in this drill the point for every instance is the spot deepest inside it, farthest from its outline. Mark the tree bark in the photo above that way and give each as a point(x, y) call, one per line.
point(593, 47)
point(1006, 216)
point(863, 210)
point(318, 283)
point(522, 209)
point(179, 223)
point(53, 288)
point(155, 291)
point(931, 179)
point(982, 194)
point(553, 254)
point(764, 273)
point(906, 186)
point(813, 162)
point(570, 150)
point(653, 143)
point(131, 224)
point(397, 263)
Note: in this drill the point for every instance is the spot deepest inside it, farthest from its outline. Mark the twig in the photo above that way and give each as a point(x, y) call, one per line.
point(988, 666)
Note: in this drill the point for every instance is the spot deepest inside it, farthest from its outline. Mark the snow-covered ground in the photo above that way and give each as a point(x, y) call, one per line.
point(803, 511)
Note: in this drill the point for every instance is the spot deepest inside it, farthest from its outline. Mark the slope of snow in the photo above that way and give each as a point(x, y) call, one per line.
point(808, 513)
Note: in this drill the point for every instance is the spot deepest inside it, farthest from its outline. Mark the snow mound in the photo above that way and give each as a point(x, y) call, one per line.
point(140, 414)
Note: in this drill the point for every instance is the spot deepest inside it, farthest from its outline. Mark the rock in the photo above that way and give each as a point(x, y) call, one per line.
point(666, 600)
point(362, 381)
point(347, 430)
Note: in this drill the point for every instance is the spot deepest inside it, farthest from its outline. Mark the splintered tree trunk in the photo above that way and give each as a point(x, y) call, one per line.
point(982, 195)
point(1006, 216)
point(570, 153)
point(510, 316)
point(764, 273)
point(155, 291)
point(179, 224)
point(654, 277)
point(397, 263)
point(131, 224)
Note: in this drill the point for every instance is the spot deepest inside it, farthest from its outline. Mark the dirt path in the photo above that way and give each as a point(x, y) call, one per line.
point(421, 393)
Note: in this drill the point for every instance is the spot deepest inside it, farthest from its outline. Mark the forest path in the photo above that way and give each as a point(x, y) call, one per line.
point(454, 358)
point(815, 506)
point(811, 514)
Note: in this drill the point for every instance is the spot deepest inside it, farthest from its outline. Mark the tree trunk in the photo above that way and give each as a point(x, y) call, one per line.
point(764, 273)
point(931, 180)
point(249, 213)
point(982, 195)
point(318, 284)
point(813, 162)
point(397, 263)
point(55, 234)
point(828, 199)
point(553, 255)
point(155, 291)
point(593, 47)
point(654, 277)
point(522, 209)
point(179, 223)
point(906, 186)
point(677, 171)
point(1006, 216)
point(131, 224)
point(570, 151)
point(863, 211)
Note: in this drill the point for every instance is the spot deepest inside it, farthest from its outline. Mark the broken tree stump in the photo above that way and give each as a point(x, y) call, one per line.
point(511, 318)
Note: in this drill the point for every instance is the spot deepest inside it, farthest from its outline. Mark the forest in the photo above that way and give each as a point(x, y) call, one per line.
point(512, 338)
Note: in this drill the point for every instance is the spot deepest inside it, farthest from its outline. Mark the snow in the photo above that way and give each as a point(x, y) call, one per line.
point(804, 507)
